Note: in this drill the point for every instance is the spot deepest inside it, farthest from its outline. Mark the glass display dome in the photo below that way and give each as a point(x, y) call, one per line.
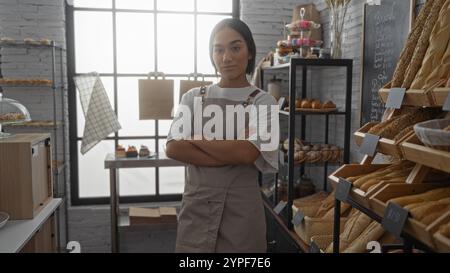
point(12, 112)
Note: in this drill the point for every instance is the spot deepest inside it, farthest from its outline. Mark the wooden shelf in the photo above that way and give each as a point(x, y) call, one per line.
point(15, 235)
point(385, 146)
point(304, 113)
point(413, 150)
point(418, 97)
point(300, 243)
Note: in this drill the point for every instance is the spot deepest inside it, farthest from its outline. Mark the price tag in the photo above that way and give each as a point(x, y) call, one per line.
point(314, 248)
point(343, 190)
point(279, 208)
point(394, 219)
point(395, 99)
point(446, 106)
point(369, 145)
point(298, 218)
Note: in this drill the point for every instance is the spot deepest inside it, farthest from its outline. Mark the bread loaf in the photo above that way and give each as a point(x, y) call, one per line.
point(422, 44)
point(354, 226)
point(410, 45)
point(314, 199)
point(373, 232)
point(404, 133)
point(330, 213)
point(432, 195)
point(326, 205)
point(439, 40)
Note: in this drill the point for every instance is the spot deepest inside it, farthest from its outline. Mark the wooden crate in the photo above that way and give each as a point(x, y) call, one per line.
point(418, 97)
point(26, 184)
point(441, 242)
point(413, 150)
point(379, 200)
point(313, 226)
point(348, 170)
point(385, 146)
point(44, 240)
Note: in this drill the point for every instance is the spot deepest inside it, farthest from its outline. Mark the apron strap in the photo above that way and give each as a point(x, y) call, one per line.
point(203, 93)
point(251, 97)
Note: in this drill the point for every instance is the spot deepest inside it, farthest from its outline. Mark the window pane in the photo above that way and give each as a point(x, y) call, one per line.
point(128, 96)
point(215, 5)
point(137, 181)
point(176, 5)
point(164, 127)
point(108, 83)
point(176, 48)
point(93, 4)
point(93, 42)
point(135, 4)
point(206, 23)
point(93, 177)
point(135, 43)
point(171, 180)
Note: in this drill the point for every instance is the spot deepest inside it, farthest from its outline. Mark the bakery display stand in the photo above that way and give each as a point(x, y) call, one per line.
point(55, 84)
point(281, 212)
point(412, 233)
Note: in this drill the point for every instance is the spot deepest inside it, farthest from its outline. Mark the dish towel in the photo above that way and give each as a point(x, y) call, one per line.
point(101, 120)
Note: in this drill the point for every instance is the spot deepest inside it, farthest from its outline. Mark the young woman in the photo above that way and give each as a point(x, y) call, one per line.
point(222, 209)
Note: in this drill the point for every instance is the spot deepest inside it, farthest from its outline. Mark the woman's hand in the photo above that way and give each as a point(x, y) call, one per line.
point(186, 152)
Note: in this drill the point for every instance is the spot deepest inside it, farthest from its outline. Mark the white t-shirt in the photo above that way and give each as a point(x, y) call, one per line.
point(267, 162)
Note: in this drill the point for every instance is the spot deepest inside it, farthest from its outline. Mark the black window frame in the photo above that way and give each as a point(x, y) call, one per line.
point(72, 99)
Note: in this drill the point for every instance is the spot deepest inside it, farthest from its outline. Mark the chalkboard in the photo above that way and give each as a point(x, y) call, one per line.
point(386, 28)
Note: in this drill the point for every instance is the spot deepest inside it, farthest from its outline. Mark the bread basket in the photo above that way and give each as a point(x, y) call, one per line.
point(432, 133)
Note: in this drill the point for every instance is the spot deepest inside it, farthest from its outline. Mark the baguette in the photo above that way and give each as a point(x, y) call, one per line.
point(330, 213)
point(368, 185)
point(410, 45)
point(432, 195)
point(313, 199)
point(427, 220)
point(373, 232)
point(375, 130)
point(354, 226)
point(326, 205)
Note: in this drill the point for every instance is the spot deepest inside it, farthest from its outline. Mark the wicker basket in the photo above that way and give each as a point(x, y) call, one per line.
point(432, 133)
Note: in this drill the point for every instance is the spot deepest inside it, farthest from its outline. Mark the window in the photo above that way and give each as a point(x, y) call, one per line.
point(124, 40)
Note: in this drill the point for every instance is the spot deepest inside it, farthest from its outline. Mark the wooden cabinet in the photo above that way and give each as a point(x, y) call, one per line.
point(25, 175)
point(44, 240)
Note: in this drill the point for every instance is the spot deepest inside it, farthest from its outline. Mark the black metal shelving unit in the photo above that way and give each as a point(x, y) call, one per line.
point(56, 84)
point(302, 65)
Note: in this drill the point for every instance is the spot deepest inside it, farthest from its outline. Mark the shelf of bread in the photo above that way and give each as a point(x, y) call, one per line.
point(396, 129)
point(441, 237)
point(318, 211)
point(368, 179)
point(419, 97)
point(312, 153)
point(426, 203)
point(414, 150)
point(358, 231)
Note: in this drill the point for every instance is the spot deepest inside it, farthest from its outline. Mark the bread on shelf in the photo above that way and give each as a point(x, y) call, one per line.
point(120, 152)
point(132, 151)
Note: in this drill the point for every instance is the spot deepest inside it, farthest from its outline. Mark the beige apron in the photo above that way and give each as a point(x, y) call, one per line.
point(222, 209)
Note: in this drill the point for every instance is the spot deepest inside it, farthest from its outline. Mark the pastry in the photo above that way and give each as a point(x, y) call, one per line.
point(306, 104)
point(329, 105)
point(298, 103)
point(120, 152)
point(45, 41)
point(447, 128)
point(144, 151)
point(316, 104)
point(11, 117)
point(132, 151)
point(316, 147)
point(313, 157)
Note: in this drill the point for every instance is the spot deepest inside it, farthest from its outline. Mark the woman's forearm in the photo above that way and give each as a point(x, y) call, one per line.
point(186, 152)
point(230, 152)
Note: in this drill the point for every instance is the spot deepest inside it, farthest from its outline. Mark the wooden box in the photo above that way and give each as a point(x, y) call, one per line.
point(25, 175)
point(358, 195)
point(413, 227)
point(44, 240)
point(418, 97)
point(140, 216)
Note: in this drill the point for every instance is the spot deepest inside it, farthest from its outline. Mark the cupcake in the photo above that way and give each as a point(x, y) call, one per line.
point(144, 151)
point(132, 151)
point(120, 152)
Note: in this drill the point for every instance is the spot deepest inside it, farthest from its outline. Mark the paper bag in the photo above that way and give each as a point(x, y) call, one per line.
point(155, 99)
